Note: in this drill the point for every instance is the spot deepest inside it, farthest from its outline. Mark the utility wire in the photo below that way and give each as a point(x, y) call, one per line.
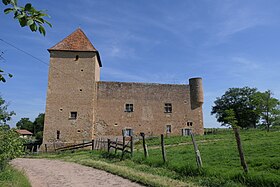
point(39, 60)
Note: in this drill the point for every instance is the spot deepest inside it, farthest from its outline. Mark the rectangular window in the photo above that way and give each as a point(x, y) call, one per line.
point(189, 123)
point(186, 132)
point(57, 135)
point(127, 132)
point(73, 115)
point(128, 107)
point(168, 129)
point(167, 108)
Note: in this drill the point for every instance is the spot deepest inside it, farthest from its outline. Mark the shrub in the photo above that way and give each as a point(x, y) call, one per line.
point(11, 146)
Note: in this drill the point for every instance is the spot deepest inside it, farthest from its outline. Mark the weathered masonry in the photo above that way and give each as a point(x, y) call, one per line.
point(81, 107)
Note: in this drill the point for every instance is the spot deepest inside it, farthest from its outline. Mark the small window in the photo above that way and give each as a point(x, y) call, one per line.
point(128, 107)
point(167, 108)
point(168, 129)
point(127, 132)
point(186, 132)
point(73, 115)
point(77, 57)
point(57, 135)
point(189, 123)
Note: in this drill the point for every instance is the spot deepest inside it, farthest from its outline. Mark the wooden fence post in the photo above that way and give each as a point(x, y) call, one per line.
point(116, 145)
point(109, 142)
point(197, 153)
point(147, 152)
point(92, 144)
point(239, 147)
point(131, 145)
point(163, 148)
point(144, 144)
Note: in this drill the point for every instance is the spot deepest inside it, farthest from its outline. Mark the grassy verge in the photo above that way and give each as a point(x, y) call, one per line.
point(221, 165)
point(11, 177)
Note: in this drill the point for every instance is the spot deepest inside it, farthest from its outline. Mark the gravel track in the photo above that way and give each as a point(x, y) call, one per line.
point(54, 173)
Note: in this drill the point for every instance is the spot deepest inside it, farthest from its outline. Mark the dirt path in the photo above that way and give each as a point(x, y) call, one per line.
point(54, 173)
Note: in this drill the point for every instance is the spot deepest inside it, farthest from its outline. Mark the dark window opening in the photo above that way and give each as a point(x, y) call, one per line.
point(82, 70)
point(189, 123)
point(73, 115)
point(77, 57)
point(168, 108)
point(168, 128)
point(57, 135)
point(128, 107)
point(81, 90)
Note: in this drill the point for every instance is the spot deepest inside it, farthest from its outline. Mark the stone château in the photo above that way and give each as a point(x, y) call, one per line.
point(80, 107)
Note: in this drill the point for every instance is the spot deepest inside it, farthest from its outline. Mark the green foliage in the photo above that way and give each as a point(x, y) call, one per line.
point(14, 178)
point(5, 116)
point(11, 146)
point(240, 101)
point(35, 127)
point(249, 107)
point(267, 107)
point(25, 123)
point(230, 117)
point(27, 15)
point(39, 122)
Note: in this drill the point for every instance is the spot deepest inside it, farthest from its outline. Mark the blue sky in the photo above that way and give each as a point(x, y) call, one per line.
point(227, 43)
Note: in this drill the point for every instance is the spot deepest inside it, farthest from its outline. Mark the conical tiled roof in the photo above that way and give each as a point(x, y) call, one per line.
point(77, 41)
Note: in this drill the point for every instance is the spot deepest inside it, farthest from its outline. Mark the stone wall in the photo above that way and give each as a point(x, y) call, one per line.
point(72, 90)
point(149, 114)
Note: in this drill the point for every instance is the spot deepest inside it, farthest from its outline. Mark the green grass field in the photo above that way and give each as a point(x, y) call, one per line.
point(11, 177)
point(221, 164)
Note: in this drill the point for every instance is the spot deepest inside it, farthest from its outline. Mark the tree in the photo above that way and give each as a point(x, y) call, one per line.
point(5, 115)
point(35, 127)
point(267, 107)
point(25, 123)
point(27, 16)
point(11, 146)
point(240, 101)
point(39, 127)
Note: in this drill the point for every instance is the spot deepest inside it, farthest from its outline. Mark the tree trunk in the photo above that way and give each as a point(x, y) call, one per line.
point(239, 147)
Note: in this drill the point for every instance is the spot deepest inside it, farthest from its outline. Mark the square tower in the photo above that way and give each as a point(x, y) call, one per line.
point(71, 96)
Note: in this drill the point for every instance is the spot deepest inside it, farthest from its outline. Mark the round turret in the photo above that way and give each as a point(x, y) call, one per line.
point(196, 92)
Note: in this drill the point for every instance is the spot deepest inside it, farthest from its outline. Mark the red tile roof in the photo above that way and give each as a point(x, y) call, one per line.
point(77, 41)
point(24, 132)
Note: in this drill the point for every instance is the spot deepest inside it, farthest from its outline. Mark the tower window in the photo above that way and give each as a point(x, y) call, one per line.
point(57, 135)
point(73, 115)
point(128, 107)
point(168, 129)
point(167, 108)
point(77, 57)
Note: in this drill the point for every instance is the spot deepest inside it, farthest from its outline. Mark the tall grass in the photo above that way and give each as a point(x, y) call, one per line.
point(11, 177)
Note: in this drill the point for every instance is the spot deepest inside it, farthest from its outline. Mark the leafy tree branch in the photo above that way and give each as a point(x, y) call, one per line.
point(27, 16)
